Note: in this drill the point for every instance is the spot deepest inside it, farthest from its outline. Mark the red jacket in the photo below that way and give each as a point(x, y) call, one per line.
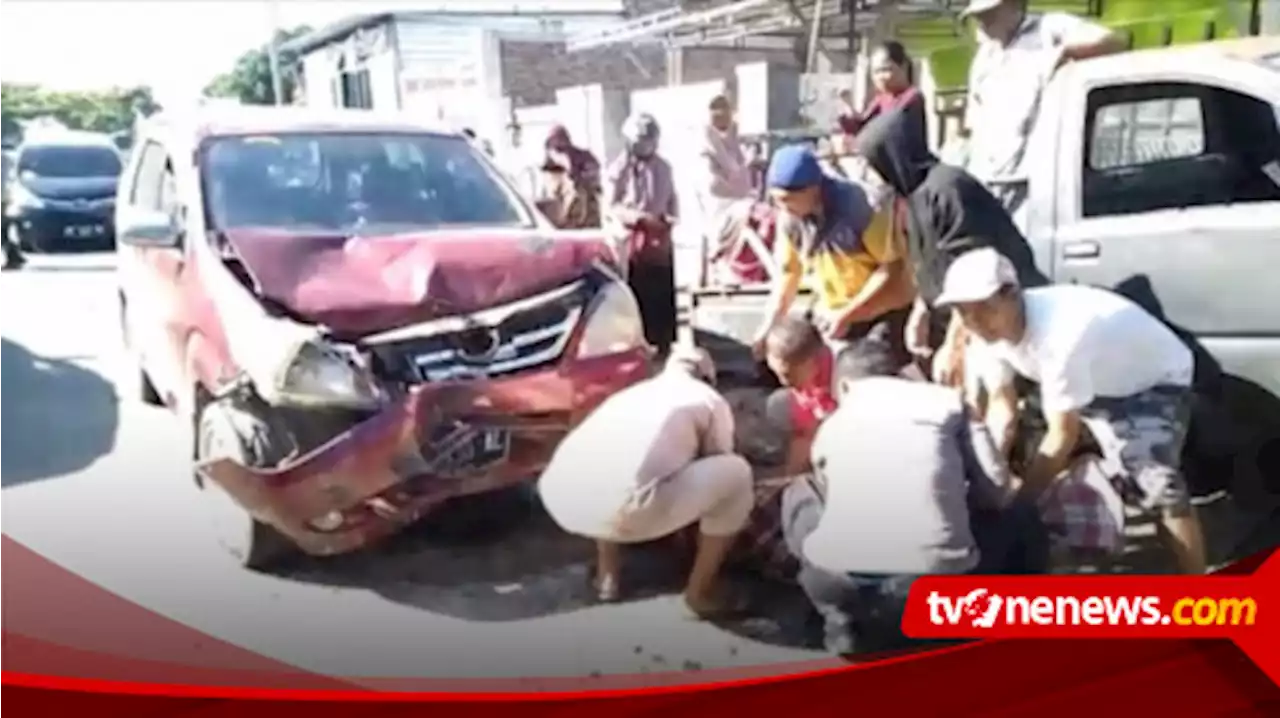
point(882, 102)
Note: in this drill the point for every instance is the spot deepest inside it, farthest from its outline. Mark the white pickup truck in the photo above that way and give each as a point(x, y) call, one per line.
point(1157, 173)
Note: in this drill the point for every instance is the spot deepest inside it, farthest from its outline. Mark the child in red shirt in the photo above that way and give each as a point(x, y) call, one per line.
point(804, 364)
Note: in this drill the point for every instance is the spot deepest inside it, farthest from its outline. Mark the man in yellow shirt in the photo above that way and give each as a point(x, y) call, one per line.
point(831, 229)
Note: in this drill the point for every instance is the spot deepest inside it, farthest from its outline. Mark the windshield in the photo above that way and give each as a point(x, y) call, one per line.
point(69, 162)
point(349, 183)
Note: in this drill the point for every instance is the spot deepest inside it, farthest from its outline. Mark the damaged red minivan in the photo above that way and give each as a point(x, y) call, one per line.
point(358, 318)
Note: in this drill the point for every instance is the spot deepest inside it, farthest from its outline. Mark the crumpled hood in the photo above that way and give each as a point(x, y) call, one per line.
point(361, 285)
point(895, 144)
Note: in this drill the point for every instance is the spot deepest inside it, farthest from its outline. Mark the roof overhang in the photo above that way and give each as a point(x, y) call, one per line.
point(338, 31)
point(753, 23)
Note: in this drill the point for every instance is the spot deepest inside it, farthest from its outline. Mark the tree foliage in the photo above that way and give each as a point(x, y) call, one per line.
point(250, 80)
point(113, 110)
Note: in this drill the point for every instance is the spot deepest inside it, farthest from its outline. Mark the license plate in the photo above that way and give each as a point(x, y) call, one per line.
point(84, 230)
point(461, 448)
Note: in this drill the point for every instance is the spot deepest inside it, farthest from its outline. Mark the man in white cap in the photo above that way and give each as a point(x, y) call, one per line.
point(1018, 52)
point(651, 460)
point(1104, 364)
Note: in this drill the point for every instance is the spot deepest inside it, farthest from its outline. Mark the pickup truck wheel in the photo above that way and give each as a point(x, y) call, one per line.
point(254, 544)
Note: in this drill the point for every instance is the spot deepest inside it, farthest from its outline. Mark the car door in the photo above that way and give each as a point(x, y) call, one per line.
point(155, 312)
point(1167, 201)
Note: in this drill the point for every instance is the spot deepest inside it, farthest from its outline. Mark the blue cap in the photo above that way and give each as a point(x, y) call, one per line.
point(793, 167)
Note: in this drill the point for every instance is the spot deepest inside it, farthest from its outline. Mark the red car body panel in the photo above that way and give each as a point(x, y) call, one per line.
point(382, 457)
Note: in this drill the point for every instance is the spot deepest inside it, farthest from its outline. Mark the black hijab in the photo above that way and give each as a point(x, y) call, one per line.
point(949, 212)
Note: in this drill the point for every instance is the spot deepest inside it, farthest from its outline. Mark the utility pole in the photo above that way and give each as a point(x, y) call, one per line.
point(273, 53)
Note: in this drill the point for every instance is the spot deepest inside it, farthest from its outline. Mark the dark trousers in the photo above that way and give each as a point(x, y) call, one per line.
point(12, 253)
point(862, 612)
point(889, 328)
point(654, 284)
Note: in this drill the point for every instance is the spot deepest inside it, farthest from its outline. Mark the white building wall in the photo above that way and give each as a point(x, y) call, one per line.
point(318, 78)
point(383, 80)
point(442, 70)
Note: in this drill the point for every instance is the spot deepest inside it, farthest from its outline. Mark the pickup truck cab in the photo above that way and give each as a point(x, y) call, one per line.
point(1157, 173)
point(356, 318)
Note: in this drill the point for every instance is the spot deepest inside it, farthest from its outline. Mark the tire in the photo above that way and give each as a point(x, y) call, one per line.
point(254, 544)
point(142, 386)
point(147, 391)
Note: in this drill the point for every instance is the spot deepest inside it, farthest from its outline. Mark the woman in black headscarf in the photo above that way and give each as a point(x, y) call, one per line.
point(948, 212)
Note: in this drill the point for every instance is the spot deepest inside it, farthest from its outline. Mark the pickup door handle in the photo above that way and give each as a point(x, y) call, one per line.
point(1081, 250)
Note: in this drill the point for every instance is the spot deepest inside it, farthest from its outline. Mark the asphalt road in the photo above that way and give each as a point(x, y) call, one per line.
point(98, 483)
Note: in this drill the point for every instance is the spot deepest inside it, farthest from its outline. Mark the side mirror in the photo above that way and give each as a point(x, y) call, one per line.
point(147, 228)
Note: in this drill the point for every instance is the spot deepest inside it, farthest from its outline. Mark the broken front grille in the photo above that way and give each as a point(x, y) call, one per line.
point(515, 337)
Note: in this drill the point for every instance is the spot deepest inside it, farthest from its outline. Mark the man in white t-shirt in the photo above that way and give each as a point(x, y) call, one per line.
point(649, 461)
point(1103, 364)
point(904, 484)
point(1018, 53)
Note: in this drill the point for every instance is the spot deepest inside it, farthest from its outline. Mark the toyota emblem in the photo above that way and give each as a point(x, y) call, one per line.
point(478, 344)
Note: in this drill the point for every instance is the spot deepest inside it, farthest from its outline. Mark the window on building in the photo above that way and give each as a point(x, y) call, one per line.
point(357, 91)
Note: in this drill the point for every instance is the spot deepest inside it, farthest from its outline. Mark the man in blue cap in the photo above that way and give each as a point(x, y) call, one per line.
point(831, 228)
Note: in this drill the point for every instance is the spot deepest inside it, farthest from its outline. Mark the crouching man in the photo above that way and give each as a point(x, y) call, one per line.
point(1102, 363)
point(904, 484)
point(651, 460)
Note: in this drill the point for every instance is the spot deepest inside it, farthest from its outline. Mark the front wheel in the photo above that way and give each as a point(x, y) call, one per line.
point(225, 432)
point(137, 382)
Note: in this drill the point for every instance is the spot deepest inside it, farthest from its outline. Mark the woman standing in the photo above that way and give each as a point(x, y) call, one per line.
point(571, 183)
point(893, 78)
point(641, 202)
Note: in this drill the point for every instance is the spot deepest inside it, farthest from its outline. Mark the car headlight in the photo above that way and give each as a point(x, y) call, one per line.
point(323, 375)
point(613, 323)
point(21, 198)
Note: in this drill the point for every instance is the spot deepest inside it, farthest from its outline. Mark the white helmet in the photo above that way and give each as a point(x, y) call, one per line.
point(640, 127)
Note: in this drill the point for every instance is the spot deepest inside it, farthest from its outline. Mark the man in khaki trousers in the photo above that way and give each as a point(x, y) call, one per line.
point(651, 460)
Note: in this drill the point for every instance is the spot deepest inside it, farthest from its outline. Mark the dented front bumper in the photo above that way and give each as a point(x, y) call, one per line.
point(389, 470)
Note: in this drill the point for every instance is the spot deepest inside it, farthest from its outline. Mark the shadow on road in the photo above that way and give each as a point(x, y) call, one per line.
point(58, 418)
point(501, 558)
point(486, 558)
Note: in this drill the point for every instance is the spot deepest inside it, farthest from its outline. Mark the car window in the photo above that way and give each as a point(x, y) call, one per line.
point(1175, 145)
point(1136, 133)
point(69, 161)
point(353, 183)
point(148, 183)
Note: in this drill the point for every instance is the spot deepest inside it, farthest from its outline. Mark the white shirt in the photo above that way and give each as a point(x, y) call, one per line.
point(1005, 84)
point(1082, 343)
point(644, 433)
point(901, 465)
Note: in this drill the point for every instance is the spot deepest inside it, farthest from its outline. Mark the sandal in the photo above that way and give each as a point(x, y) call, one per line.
point(719, 608)
point(606, 590)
